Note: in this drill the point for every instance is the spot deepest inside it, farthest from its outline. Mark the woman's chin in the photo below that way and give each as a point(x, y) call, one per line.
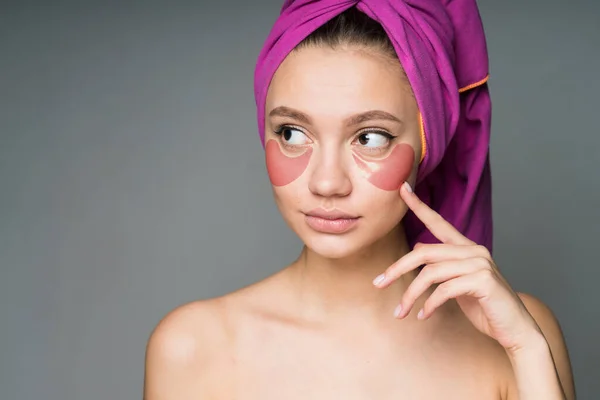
point(333, 246)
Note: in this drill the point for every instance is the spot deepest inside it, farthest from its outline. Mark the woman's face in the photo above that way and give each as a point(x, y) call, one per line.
point(342, 135)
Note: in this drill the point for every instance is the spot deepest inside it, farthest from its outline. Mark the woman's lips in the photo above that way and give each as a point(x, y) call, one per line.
point(334, 221)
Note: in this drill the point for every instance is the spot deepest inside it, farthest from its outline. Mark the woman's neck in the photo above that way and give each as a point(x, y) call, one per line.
point(343, 288)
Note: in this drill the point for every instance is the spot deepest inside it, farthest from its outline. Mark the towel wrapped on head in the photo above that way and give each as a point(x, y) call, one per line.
point(441, 47)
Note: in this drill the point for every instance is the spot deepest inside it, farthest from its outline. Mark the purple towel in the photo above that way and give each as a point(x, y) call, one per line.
point(441, 46)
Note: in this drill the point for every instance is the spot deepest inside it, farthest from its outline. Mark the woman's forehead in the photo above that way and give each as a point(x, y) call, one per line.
point(329, 79)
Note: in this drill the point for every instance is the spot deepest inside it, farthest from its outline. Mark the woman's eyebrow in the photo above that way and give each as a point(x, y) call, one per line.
point(371, 115)
point(283, 111)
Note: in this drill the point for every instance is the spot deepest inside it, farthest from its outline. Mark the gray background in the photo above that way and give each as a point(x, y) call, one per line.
point(132, 177)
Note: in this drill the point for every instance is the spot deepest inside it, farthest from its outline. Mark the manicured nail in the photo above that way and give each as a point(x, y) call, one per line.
point(398, 310)
point(408, 188)
point(379, 279)
point(420, 314)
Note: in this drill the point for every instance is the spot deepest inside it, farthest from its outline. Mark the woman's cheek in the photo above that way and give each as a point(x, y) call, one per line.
point(281, 168)
point(390, 172)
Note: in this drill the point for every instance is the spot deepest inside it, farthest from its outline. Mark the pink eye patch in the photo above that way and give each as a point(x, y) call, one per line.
point(390, 172)
point(281, 168)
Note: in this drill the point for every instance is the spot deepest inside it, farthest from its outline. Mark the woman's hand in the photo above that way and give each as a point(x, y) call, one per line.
point(466, 272)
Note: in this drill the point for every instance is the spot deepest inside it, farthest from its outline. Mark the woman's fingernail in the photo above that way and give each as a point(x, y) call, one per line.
point(379, 279)
point(408, 188)
point(398, 310)
point(420, 314)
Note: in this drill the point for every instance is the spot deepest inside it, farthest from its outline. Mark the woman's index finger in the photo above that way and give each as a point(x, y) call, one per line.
point(434, 222)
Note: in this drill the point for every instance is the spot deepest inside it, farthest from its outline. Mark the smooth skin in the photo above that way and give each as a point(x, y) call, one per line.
point(321, 328)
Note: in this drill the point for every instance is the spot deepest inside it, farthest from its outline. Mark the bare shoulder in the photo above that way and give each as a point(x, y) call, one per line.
point(183, 350)
point(552, 331)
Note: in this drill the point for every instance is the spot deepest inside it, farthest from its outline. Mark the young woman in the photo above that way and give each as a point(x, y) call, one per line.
point(395, 294)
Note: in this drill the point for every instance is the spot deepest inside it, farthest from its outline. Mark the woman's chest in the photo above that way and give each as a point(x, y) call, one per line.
point(392, 384)
point(322, 370)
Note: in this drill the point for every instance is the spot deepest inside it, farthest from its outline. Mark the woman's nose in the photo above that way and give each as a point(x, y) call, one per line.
point(329, 177)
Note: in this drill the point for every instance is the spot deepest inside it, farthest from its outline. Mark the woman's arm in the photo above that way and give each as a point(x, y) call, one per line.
point(543, 369)
point(466, 272)
point(180, 353)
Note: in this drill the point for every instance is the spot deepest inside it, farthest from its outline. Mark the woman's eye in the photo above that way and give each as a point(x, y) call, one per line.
point(374, 139)
point(292, 136)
